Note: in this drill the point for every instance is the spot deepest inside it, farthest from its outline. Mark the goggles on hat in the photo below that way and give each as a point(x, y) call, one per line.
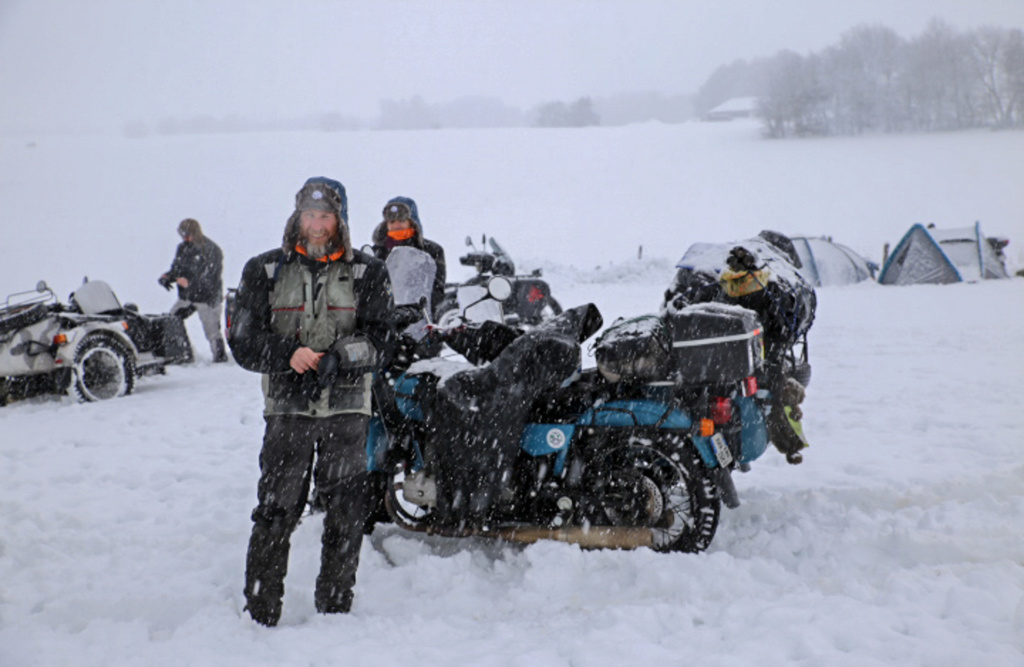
point(318, 197)
point(397, 211)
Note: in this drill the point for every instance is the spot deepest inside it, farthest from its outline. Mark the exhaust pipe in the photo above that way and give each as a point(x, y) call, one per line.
point(593, 537)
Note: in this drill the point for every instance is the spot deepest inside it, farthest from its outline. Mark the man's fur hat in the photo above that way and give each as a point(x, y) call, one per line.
point(321, 194)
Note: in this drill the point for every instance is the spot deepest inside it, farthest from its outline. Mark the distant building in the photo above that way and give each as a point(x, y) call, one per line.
point(737, 107)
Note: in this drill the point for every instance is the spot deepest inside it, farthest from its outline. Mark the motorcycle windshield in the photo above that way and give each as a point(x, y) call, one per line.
point(412, 275)
point(495, 248)
point(96, 298)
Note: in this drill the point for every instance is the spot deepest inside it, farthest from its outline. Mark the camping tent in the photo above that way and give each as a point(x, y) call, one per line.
point(827, 263)
point(939, 256)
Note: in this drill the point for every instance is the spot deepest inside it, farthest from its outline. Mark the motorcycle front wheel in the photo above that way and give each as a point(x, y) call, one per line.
point(403, 512)
point(660, 482)
point(448, 314)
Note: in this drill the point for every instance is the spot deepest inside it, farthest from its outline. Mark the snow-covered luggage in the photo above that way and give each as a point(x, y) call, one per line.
point(715, 342)
point(634, 350)
point(755, 274)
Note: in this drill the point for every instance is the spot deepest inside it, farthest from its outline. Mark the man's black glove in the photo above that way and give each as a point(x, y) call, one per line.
point(314, 382)
point(407, 314)
point(165, 282)
point(327, 369)
point(405, 353)
point(311, 386)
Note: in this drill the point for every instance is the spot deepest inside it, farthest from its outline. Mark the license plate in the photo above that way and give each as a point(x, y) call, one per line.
point(722, 452)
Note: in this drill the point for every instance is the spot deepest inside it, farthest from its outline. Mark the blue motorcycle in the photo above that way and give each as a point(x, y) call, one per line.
point(514, 441)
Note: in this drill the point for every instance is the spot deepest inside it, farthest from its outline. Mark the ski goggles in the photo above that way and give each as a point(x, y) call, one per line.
point(397, 211)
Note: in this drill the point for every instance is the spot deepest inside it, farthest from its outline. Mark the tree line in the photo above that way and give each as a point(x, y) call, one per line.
point(875, 81)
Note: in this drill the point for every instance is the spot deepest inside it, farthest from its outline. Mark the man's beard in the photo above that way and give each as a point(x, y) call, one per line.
point(321, 250)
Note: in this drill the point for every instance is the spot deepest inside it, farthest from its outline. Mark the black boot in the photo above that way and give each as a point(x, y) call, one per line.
point(263, 601)
point(266, 565)
point(342, 539)
point(330, 599)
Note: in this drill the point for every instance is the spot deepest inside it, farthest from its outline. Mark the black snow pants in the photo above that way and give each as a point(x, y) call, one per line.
point(287, 467)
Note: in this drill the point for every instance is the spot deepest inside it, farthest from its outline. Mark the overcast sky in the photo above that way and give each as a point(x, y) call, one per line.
point(95, 64)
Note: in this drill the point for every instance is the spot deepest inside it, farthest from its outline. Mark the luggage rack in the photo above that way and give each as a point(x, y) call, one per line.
point(40, 295)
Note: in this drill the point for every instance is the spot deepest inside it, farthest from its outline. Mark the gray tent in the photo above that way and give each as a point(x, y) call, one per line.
point(827, 263)
point(940, 256)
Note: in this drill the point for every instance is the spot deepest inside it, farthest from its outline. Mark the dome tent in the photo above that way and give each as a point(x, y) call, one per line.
point(940, 256)
point(826, 263)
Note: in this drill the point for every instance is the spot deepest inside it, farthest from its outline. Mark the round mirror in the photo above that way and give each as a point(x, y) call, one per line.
point(41, 286)
point(499, 288)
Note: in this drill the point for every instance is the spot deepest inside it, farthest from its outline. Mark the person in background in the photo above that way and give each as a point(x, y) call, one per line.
point(197, 270)
point(402, 227)
point(315, 318)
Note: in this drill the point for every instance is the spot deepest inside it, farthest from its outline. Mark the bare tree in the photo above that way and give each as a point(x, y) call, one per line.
point(557, 114)
point(793, 98)
point(874, 81)
point(582, 114)
point(998, 60)
point(863, 72)
point(940, 92)
point(408, 114)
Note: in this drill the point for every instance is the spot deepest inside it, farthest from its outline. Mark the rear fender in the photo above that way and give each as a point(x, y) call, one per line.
point(66, 352)
point(706, 451)
point(754, 434)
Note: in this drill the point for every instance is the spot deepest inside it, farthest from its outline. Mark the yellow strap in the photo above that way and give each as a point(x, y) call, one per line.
point(742, 283)
point(797, 427)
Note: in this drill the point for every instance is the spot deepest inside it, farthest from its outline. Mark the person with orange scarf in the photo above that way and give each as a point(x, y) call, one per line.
point(402, 227)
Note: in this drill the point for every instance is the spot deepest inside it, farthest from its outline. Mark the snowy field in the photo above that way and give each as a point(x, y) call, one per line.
point(899, 540)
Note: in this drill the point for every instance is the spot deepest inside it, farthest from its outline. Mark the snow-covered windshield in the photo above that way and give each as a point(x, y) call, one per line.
point(495, 248)
point(96, 297)
point(412, 274)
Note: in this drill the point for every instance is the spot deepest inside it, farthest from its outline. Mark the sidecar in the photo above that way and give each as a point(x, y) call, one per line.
point(93, 344)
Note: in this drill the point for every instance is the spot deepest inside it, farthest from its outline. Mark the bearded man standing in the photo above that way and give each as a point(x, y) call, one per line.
point(314, 317)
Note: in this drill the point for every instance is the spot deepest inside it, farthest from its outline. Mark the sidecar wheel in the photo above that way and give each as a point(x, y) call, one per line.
point(103, 369)
point(661, 483)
